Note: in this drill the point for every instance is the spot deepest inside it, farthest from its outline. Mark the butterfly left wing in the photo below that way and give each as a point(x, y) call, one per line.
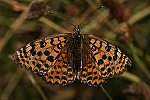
point(62, 72)
point(48, 57)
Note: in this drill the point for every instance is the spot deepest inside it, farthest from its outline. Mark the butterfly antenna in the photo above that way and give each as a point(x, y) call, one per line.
point(55, 14)
point(90, 15)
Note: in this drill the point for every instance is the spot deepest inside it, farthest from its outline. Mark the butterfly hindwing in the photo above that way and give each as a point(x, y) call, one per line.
point(89, 73)
point(62, 72)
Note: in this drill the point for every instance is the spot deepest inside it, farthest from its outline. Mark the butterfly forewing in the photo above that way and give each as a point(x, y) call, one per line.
point(48, 58)
point(109, 60)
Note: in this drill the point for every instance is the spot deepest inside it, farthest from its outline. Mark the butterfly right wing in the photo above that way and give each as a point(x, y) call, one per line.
point(101, 60)
point(110, 60)
point(89, 74)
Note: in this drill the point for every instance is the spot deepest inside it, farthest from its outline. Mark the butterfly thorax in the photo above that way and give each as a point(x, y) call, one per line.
point(76, 51)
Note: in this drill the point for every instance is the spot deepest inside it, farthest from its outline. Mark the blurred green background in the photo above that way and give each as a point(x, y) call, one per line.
point(125, 23)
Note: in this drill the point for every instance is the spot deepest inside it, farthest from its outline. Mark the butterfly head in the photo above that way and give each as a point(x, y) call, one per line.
point(77, 32)
point(77, 29)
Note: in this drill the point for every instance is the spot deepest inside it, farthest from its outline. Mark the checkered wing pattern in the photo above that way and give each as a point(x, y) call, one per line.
point(49, 58)
point(89, 74)
point(101, 61)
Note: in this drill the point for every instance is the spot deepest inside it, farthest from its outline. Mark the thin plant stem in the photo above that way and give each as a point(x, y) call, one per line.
point(138, 16)
point(14, 80)
point(138, 61)
point(107, 94)
point(53, 25)
point(132, 77)
point(14, 26)
point(37, 86)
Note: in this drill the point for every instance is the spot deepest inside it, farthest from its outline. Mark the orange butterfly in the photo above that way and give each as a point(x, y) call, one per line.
point(63, 58)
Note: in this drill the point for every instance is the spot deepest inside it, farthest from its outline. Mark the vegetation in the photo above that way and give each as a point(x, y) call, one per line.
point(125, 23)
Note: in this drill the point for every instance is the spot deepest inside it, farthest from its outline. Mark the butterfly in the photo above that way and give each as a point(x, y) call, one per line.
point(64, 58)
